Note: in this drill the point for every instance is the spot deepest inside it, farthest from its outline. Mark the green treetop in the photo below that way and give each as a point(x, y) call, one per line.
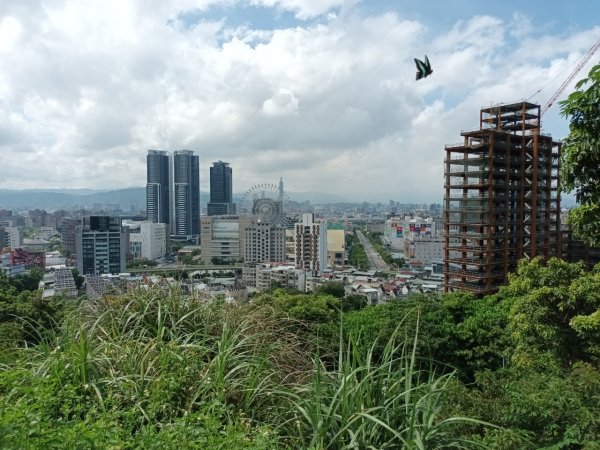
point(580, 158)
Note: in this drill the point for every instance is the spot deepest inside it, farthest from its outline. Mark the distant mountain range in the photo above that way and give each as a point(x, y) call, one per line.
point(127, 199)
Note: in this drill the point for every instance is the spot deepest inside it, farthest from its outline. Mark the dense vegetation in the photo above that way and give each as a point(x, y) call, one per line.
point(157, 369)
point(580, 156)
point(141, 263)
point(357, 257)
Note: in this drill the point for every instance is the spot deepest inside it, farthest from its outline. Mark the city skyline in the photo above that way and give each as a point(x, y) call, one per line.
point(322, 93)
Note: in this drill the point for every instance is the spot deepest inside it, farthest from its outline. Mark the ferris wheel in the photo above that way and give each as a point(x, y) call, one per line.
point(267, 201)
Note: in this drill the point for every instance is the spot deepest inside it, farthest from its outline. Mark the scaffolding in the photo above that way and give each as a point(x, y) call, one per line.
point(501, 199)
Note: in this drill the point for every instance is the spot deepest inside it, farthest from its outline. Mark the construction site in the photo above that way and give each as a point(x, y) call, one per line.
point(501, 199)
point(502, 196)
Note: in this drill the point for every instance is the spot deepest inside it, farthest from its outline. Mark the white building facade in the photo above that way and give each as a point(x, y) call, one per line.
point(261, 242)
point(397, 229)
point(13, 237)
point(148, 240)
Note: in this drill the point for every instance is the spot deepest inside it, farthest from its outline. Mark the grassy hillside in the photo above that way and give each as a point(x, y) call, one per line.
point(158, 369)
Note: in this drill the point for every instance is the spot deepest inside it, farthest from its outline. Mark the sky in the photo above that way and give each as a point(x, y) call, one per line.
point(319, 92)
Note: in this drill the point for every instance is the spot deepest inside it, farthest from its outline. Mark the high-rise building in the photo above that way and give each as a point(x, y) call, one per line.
point(68, 233)
point(100, 246)
point(185, 195)
point(501, 198)
point(13, 237)
point(220, 190)
point(261, 241)
point(311, 245)
point(173, 192)
point(157, 186)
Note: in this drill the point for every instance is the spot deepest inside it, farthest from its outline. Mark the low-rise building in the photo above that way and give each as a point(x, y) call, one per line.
point(336, 247)
point(147, 240)
point(220, 238)
point(263, 276)
point(59, 282)
point(419, 250)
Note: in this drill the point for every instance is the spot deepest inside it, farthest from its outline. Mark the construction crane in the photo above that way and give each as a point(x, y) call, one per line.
point(575, 71)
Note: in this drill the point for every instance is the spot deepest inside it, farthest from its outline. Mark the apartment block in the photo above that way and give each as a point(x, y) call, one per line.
point(311, 245)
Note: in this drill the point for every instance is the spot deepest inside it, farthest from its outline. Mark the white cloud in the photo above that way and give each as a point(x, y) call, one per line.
point(303, 9)
point(87, 87)
point(283, 103)
point(520, 25)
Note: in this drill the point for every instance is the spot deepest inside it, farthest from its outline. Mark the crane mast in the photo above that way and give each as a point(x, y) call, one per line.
point(572, 75)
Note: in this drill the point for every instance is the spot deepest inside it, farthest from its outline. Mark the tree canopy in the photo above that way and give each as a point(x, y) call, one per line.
point(580, 158)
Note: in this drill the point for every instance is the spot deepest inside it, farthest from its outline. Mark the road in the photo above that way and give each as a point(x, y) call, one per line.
point(375, 259)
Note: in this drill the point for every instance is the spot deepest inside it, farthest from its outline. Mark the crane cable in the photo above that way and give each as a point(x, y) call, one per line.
point(588, 55)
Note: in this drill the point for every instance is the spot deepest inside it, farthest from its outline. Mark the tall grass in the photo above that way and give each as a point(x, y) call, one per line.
point(145, 362)
point(373, 402)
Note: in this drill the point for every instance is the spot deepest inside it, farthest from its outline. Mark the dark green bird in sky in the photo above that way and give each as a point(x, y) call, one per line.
point(423, 68)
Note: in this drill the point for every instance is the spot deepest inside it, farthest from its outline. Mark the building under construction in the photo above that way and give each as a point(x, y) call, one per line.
point(501, 198)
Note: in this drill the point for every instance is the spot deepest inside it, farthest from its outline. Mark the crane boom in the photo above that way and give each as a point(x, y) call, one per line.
point(565, 83)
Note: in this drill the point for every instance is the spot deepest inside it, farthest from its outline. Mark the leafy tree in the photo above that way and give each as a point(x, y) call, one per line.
point(78, 278)
point(354, 302)
point(28, 281)
point(24, 316)
point(547, 299)
point(141, 263)
point(187, 260)
point(357, 256)
point(580, 158)
point(335, 288)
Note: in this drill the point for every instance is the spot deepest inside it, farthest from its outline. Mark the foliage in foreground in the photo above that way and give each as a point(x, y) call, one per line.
point(157, 369)
point(580, 156)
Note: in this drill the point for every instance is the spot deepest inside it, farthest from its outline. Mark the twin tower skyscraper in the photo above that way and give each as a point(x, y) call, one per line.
point(173, 192)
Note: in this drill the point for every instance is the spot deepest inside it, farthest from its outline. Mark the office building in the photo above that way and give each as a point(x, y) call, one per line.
point(101, 246)
point(185, 196)
point(173, 192)
point(501, 198)
point(220, 190)
point(419, 249)
point(220, 239)
point(157, 186)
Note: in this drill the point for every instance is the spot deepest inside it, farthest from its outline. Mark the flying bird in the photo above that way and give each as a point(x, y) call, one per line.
point(423, 68)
